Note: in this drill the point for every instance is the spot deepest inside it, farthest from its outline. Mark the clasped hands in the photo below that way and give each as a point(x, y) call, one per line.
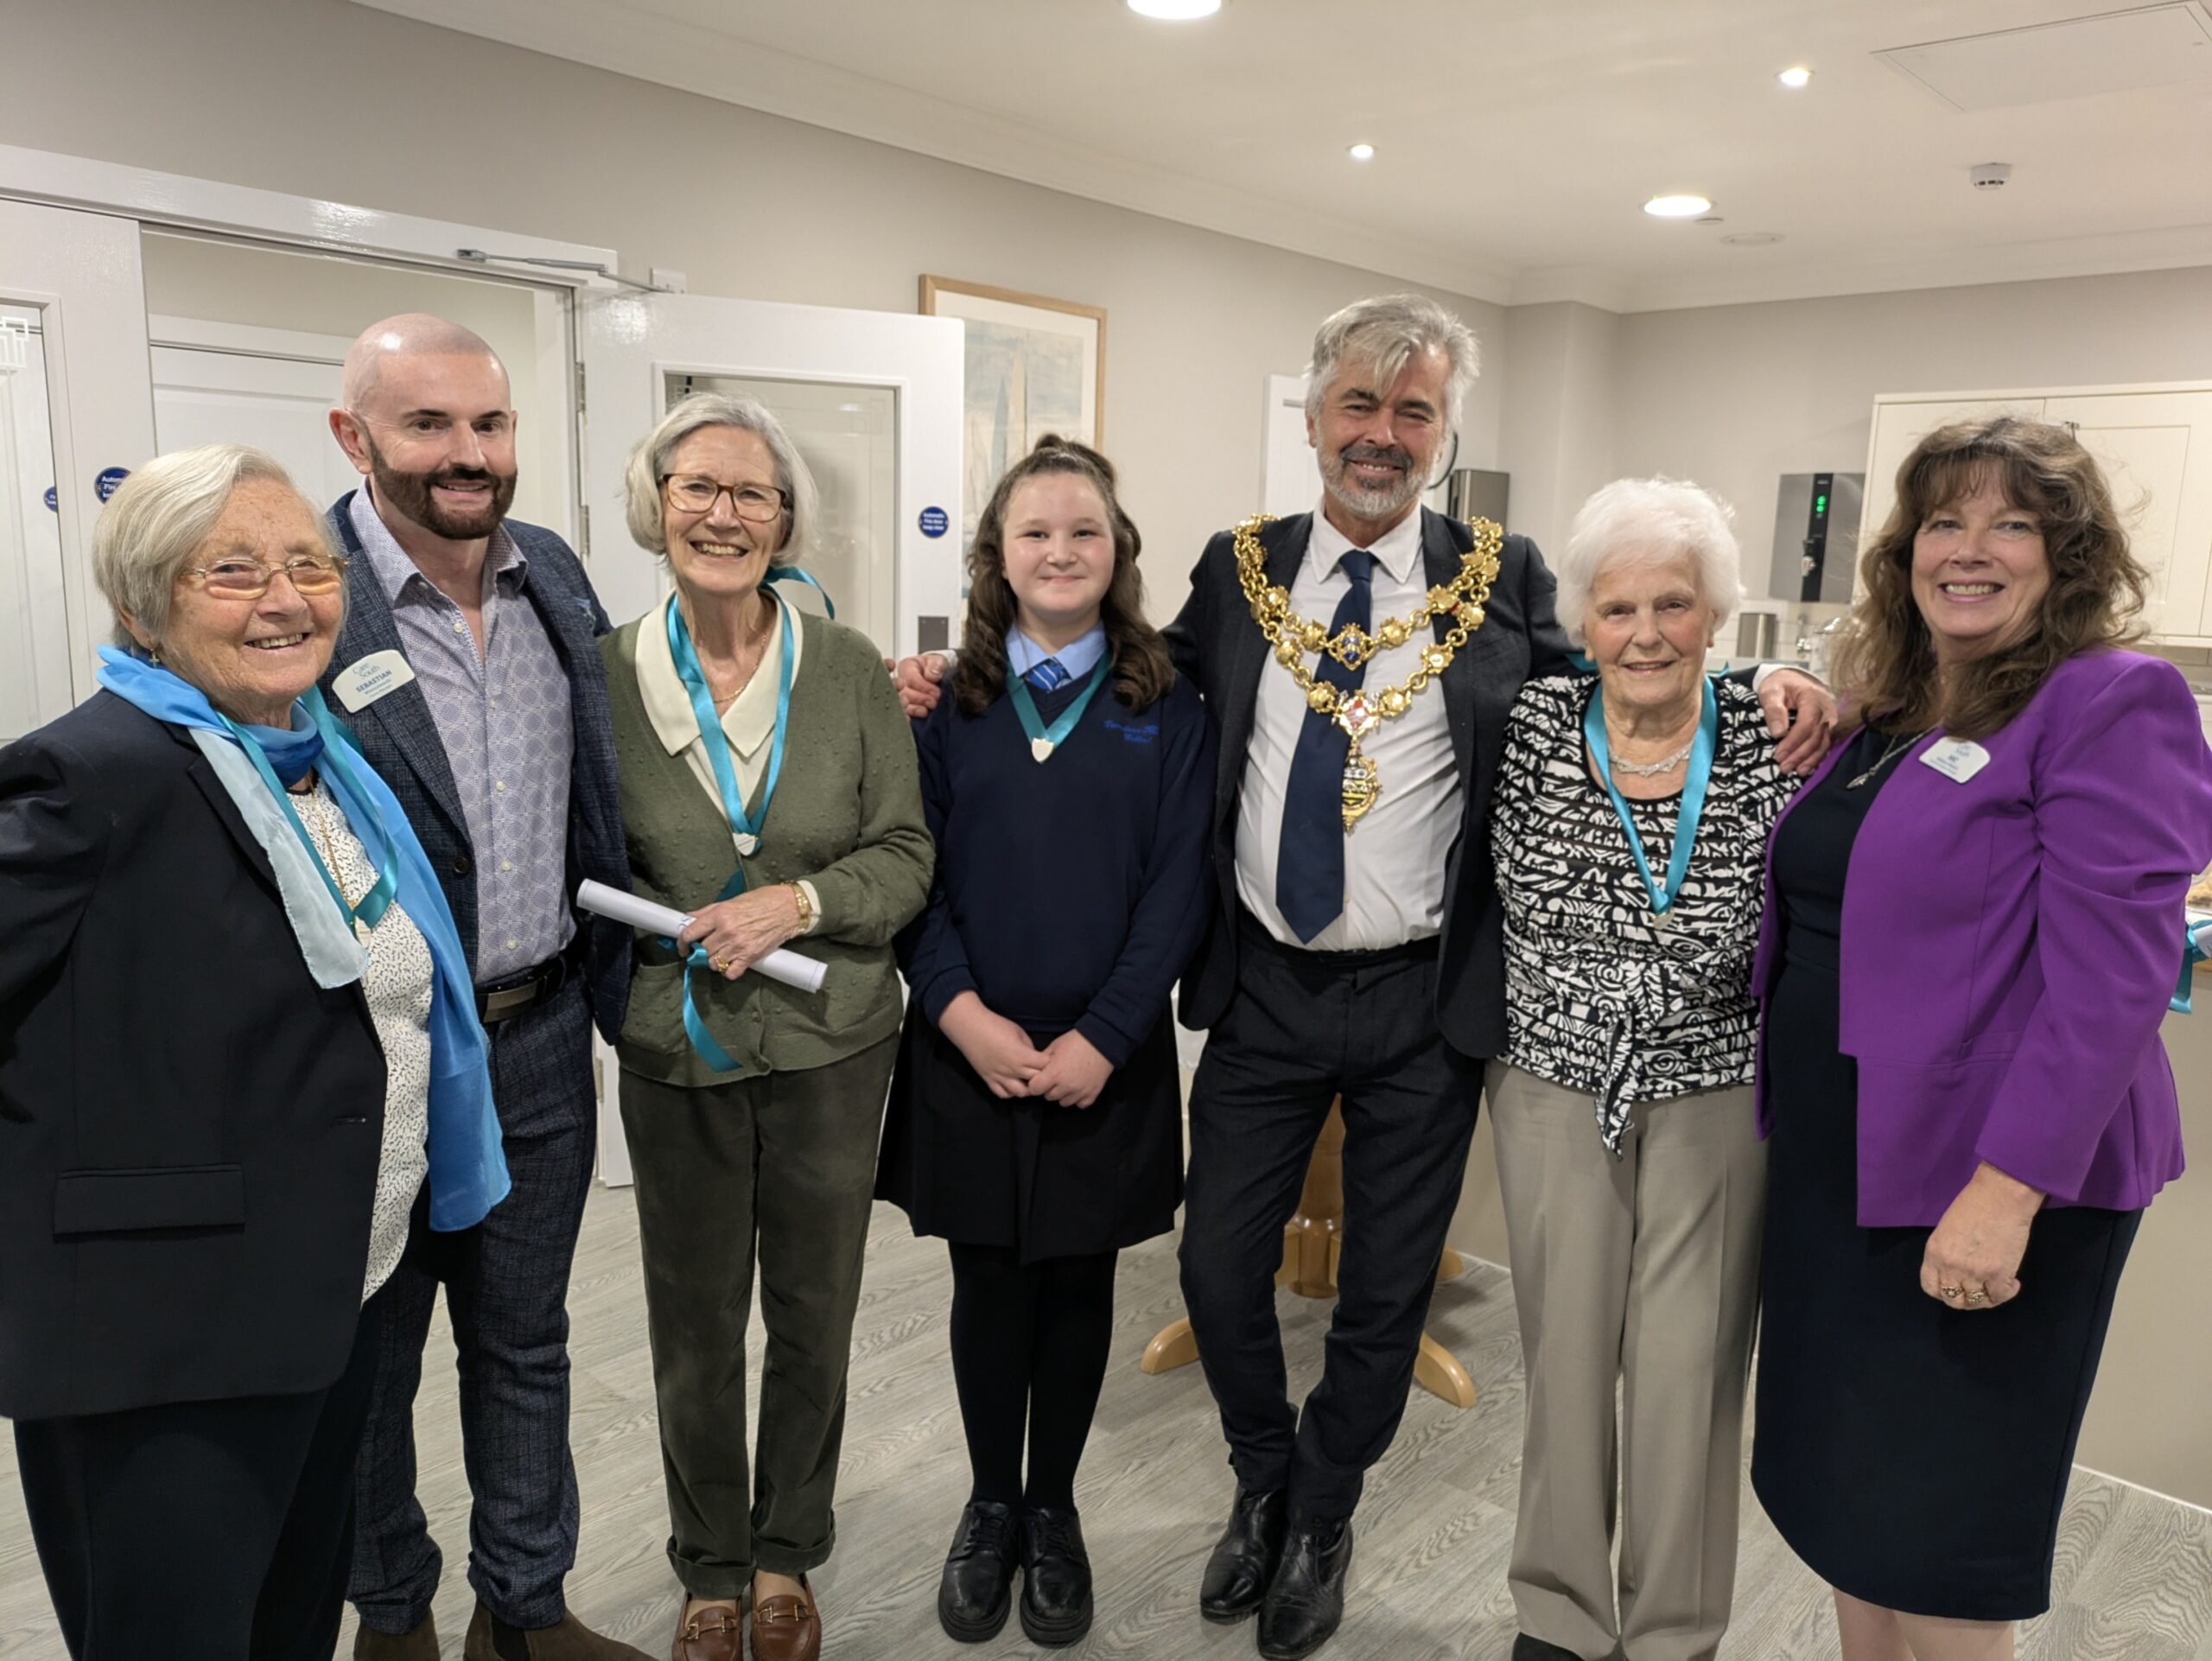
point(739, 931)
point(1973, 1257)
point(1069, 1070)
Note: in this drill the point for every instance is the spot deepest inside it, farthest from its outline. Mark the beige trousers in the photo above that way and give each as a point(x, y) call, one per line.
point(1640, 1271)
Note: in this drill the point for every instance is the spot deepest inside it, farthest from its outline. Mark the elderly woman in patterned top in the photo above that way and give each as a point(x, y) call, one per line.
point(1629, 835)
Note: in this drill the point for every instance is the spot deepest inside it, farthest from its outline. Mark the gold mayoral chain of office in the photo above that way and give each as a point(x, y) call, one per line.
point(1360, 712)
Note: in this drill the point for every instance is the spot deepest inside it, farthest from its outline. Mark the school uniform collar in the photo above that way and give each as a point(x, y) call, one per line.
point(748, 722)
point(1024, 655)
point(1397, 550)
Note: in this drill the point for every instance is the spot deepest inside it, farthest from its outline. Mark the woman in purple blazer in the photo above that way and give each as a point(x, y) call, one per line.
point(1973, 925)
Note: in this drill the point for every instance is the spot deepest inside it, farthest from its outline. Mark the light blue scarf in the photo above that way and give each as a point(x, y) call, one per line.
point(469, 1170)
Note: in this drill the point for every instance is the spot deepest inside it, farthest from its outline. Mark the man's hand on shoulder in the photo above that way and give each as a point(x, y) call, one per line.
point(917, 677)
point(1801, 715)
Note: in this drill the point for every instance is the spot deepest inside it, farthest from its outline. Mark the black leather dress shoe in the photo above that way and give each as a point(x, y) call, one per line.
point(975, 1595)
point(1244, 1558)
point(1526, 1648)
point(1055, 1576)
point(1306, 1600)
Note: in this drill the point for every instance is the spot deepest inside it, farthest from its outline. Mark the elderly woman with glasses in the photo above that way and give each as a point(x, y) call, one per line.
point(770, 792)
point(1629, 836)
point(237, 1038)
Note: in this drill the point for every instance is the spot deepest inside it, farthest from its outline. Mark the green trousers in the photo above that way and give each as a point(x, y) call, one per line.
point(777, 1169)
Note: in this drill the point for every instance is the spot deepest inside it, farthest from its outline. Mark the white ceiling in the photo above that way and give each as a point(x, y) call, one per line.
point(1516, 139)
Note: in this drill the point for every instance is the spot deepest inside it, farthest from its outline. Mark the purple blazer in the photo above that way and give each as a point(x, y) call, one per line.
point(2010, 944)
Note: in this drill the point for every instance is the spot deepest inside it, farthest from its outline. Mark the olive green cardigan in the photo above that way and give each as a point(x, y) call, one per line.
point(847, 816)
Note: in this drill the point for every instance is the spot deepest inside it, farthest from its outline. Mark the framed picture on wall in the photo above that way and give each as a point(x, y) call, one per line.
point(1034, 365)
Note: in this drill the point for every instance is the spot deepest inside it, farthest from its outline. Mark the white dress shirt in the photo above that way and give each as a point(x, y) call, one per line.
point(1395, 857)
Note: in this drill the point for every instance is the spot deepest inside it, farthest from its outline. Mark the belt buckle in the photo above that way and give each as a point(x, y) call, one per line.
point(498, 1006)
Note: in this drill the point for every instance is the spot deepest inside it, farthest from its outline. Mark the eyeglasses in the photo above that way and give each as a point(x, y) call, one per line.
point(249, 579)
point(756, 504)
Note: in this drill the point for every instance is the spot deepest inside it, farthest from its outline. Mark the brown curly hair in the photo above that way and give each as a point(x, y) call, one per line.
point(1142, 670)
point(1886, 669)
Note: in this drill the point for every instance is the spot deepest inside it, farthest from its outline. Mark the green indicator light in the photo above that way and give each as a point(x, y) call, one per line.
point(1820, 504)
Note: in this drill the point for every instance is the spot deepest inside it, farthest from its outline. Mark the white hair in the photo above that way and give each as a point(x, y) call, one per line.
point(648, 462)
point(159, 517)
point(1650, 519)
point(1383, 334)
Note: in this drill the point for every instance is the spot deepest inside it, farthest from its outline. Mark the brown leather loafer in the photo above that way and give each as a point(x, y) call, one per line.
point(787, 1628)
point(421, 1644)
point(711, 1634)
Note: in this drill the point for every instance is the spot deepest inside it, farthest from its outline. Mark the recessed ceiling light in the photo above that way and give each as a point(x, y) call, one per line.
point(1361, 152)
point(1677, 207)
point(1175, 11)
point(1752, 238)
point(1795, 76)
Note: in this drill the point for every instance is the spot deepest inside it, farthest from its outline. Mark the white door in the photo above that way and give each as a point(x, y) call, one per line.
point(2156, 451)
point(873, 401)
point(76, 408)
point(216, 383)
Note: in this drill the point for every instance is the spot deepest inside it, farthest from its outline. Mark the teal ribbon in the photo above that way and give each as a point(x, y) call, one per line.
point(1694, 788)
point(741, 823)
point(373, 904)
point(2193, 952)
point(1032, 723)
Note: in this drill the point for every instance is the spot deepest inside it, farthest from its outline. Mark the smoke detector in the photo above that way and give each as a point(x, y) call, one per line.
point(1990, 175)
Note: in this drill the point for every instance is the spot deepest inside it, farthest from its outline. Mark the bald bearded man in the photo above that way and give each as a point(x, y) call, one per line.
point(468, 666)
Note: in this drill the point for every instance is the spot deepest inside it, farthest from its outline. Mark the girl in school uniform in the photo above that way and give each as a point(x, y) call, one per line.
point(1035, 1121)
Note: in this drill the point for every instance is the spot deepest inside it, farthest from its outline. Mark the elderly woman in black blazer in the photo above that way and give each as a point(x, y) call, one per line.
point(236, 1042)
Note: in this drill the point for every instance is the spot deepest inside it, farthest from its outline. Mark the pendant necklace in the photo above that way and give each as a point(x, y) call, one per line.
point(1897, 746)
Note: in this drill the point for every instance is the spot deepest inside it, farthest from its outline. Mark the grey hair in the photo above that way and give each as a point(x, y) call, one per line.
point(159, 517)
point(648, 462)
point(1643, 518)
point(1385, 333)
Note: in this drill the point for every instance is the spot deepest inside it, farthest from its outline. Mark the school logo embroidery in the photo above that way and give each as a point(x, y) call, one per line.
point(1134, 735)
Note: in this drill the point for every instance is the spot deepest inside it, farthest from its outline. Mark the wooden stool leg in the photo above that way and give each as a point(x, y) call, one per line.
point(1173, 1346)
point(1437, 1370)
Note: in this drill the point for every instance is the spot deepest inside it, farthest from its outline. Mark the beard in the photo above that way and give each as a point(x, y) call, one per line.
point(1370, 503)
point(411, 493)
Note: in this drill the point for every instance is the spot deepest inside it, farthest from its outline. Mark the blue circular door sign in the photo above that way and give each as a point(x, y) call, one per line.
point(935, 522)
point(53, 502)
point(109, 478)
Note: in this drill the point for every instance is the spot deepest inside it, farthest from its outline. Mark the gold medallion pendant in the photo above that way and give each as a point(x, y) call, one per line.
point(1359, 712)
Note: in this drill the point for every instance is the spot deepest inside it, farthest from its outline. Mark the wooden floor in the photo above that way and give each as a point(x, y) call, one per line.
point(2134, 1578)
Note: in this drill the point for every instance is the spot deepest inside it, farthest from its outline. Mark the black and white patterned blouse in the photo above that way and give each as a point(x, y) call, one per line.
point(1600, 996)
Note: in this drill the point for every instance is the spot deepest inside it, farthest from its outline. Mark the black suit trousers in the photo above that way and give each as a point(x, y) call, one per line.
point(1303, 1028)
point(201, 1531)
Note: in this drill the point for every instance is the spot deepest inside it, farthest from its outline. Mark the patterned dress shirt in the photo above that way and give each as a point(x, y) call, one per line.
point(503, 717)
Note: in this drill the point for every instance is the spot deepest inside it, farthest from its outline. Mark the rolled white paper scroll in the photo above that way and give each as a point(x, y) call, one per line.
point(789, 967)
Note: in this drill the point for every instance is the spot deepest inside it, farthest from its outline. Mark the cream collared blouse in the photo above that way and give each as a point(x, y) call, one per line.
point(749, 724)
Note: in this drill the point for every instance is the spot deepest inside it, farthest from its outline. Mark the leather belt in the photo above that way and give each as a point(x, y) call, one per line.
point(504, 999)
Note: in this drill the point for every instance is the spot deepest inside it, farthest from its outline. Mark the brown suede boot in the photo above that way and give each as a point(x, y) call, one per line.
point(421, 1644)
point(492, 1639)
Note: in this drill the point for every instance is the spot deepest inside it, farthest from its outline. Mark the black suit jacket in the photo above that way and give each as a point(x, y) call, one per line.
point(1218, 644)
point(189, 1126)
point(400, 737)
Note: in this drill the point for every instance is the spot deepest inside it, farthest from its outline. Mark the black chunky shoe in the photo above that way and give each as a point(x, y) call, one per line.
point(1244, 1558)
point(1526, 1648)
point(974, 1595)
point(1055, 1576)
point(1307, 1598)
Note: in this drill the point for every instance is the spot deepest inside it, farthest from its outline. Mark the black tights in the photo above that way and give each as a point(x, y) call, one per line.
point(1029, 1343)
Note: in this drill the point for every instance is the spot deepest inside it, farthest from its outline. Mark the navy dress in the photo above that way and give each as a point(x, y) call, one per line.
point(1913, 1455)
point(1068, 895)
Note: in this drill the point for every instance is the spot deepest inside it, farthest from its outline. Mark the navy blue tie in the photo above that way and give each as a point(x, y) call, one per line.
point(1310, 859)
point(1048, 676)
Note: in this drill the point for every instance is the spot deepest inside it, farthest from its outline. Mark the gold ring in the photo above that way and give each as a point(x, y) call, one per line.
point(720, 966)
point(1951, 1291)
point(1978, 1297)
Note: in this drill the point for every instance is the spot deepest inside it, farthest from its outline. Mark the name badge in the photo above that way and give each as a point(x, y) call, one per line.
point(1956, 759)
point(362, 683)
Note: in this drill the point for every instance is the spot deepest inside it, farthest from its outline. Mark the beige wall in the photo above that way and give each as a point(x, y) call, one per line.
point(1735, 395)
point(330, 100)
